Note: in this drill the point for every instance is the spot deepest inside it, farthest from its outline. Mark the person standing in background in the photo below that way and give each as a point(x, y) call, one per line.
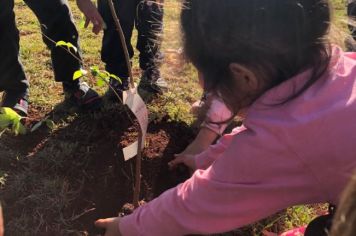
point(56, 24)
point(147, 17)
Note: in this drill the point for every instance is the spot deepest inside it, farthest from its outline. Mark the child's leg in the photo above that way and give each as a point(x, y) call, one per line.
point(112, 53)
point(57, 24)
point(12, 76)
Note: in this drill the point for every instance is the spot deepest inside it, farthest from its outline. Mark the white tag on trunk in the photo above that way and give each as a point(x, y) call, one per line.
point(132, 99)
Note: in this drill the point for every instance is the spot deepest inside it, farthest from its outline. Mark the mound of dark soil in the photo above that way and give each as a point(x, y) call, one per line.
point(86, 151)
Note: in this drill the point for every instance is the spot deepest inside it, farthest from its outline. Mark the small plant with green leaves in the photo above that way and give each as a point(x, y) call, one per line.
point(102, 78)
point(46, 121)
point(9, 119)
point(67, 44)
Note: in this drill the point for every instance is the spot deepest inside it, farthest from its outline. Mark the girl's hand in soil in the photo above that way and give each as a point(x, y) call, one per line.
point(111, 226)
point(188, 160)
point(91, 15)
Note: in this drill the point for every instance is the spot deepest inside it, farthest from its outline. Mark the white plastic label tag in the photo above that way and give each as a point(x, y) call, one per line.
point(132, 99)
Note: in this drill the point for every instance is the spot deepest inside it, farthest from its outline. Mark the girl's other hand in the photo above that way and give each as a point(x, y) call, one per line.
point(186, 159)
point(111, 226)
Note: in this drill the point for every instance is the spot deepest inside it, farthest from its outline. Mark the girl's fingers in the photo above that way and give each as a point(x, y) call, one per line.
point(179, 159)
point(98, 23)
point(87, 20)
point(102, 223)
point(111, 226)
point(96, 28)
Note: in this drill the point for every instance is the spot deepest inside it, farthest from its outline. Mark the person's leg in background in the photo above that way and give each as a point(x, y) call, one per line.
point(12, 76)
point(149, 24)
point(57, 24)
point(112, 53)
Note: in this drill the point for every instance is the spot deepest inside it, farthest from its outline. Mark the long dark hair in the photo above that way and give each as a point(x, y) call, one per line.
point(276, 39)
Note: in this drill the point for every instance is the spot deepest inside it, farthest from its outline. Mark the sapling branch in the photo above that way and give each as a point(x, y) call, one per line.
point(122, 40)
point(136, 194)
point(78, 74)
point(81, 62)
point(65, 48)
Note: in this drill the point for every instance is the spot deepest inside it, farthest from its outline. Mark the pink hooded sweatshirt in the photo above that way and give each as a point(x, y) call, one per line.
point(301, 152)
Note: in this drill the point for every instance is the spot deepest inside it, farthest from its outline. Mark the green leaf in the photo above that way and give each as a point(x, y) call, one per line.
point(66, 44)
point(94, 70)
point(79, 73)
point(50, 124)
point(8, 112)
point(115, 78)
point(61, 43)
point(100, 82)
point(8, 117)
point(71, 46)
point(104, 75)
point(4, 121)
point(22, 129)
point(36, 126)
point(16, 127)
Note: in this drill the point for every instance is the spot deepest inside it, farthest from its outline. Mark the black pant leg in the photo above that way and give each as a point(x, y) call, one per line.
point(112, 53)
point(57, 24)
point(351, 12)
point(149, 23)
point(12, 76)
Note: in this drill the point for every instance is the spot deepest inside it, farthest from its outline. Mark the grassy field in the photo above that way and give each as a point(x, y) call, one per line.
point(45, 175)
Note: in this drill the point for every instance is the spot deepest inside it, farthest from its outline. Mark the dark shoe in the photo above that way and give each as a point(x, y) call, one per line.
point(116, 88)
point(17, 101)
point(152, 82)
point(82, 95)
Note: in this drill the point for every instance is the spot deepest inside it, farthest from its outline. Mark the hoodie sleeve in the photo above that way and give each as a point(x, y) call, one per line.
point(206, 158)
point(253, 178)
